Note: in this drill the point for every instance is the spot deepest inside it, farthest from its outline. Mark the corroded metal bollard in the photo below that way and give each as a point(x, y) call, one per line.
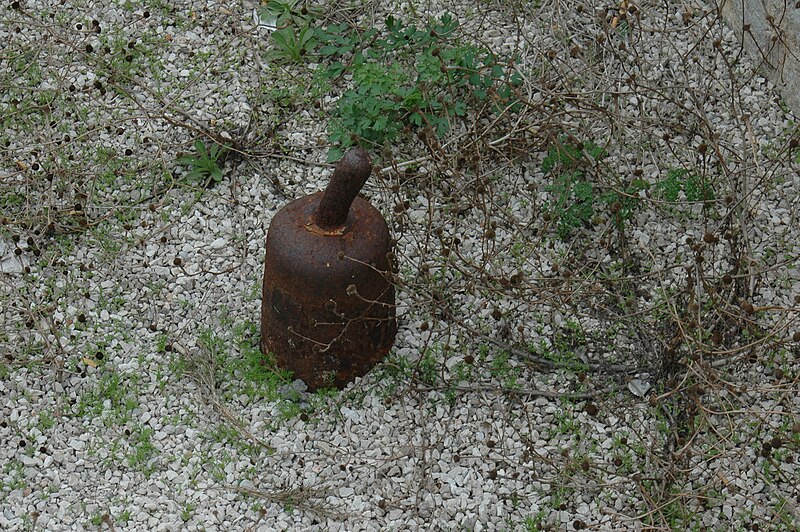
point(327, 311)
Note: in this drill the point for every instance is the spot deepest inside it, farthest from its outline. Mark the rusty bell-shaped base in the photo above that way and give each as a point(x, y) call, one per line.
point(327, 312)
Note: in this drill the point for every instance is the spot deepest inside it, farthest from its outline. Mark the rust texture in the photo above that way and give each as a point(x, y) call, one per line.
point(350, 175)
point(327, 312)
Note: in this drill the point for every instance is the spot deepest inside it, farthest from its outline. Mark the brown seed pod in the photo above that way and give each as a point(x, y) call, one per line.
point(716, 337)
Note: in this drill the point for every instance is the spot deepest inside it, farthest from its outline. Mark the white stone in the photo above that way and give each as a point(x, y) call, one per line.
point(29, 460)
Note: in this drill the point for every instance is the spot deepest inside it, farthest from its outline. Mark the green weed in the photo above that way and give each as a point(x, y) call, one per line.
point(187, 511)
point(206, 163)
point(409, 78)
point(578, 194)
point(46, 421)
point(694, 187)
point(14, 475)
point(293, 36)
point(111, 396)
point(142, 450)
point(534, 522)
point(293, 44)
point(428, 368)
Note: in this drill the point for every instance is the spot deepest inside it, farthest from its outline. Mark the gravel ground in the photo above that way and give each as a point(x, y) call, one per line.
point(129, 396)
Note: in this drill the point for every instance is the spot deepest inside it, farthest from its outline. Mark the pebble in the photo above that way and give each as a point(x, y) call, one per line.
point(29, 461)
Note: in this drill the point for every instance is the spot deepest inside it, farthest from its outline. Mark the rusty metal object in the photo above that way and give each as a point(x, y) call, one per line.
point(327, 312)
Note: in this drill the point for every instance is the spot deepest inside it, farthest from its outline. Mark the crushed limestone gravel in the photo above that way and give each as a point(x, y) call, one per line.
point(140, 426)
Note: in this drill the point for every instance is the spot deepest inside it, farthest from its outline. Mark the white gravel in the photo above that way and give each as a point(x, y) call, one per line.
point(105, 423)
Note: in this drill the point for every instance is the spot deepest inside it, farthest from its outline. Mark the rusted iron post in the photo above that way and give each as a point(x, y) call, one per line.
point(327, 310)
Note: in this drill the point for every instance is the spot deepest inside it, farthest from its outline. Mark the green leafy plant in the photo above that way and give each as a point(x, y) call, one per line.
point(293, 35)
point(574, 195)
point(187, 511)
point(678, 180)
point(280, 12)
point(46, 421)
point(292, 43)
point(578, 193)
point(206, 163)
point(257, 373)
point(535, 522)
point(502, 369)
point(427, 369)
point(142, 450)
point(409, 78)
point(113, 396)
